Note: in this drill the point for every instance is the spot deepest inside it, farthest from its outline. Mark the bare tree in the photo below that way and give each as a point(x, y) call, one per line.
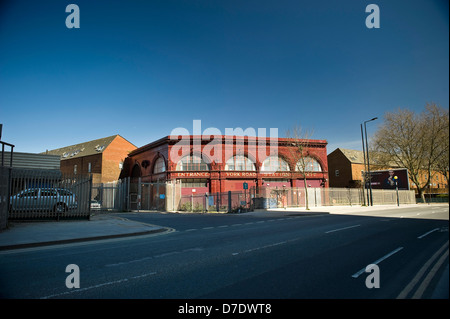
point(300, 140)
point(440, 121)
point(414, 141)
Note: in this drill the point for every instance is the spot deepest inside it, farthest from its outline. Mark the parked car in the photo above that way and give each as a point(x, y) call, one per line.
point(44, 199)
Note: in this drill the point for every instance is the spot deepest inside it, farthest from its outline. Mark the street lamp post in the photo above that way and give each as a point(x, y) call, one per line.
point(365, 169)
point(368, 162)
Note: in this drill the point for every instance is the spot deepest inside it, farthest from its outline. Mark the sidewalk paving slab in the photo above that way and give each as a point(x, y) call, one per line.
point(42, 233)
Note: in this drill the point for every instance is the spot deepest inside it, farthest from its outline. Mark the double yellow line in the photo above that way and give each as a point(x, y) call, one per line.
point(427, 280)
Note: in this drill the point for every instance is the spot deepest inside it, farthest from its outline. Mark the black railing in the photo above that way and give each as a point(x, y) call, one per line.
point(5, 184)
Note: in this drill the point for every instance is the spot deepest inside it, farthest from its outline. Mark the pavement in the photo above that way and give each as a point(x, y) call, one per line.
point(103, 225)
point(100, 226)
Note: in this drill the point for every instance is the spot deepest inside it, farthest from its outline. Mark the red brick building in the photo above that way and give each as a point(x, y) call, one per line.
point(224, 163)
point(103, 158)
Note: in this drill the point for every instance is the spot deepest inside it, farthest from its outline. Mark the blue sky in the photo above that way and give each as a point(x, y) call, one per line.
point(142, 68)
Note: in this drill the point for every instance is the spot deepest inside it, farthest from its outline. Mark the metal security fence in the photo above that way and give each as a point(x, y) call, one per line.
point(4, 196)
point(147, 195)
point(133, 194)
point(388, 197)
point(45, 194)
point(343, 196)
point(266, 197)
point(110, 196)
point(228, 202)
point(194, 203)
point(136, 195)
point(5, 179)
point(279, 197)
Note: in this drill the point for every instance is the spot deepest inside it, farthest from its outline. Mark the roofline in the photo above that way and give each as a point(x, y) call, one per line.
point(125, 139)
point(67, 146)
point(151, 145)
point(172, 139)
point(340, 149)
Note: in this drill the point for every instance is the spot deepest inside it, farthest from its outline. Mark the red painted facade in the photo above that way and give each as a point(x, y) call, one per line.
point(145, 162)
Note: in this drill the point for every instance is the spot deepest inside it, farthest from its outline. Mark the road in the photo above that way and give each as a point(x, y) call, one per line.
point(284, 256)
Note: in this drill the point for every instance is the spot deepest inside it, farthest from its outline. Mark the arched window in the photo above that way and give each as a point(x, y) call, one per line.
point(192, 163)
point(160, 166)
point(311, 165)
point(274, 164)
point(239, 163)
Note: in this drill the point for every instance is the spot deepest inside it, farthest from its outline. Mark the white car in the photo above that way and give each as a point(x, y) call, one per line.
point(44, 199)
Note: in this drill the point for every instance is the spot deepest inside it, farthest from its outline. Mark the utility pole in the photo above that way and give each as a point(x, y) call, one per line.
point(365, 169)
point(368, 162)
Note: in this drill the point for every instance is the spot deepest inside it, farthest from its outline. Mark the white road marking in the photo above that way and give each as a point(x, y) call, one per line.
point(144, 275)
point(268, 246)
point(427, 233)
point(357, 274)
point(171, 253)
point(334, 230)
point(258, 248)
point(97, 286)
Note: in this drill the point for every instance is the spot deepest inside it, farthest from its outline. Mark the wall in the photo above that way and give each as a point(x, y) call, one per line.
point(113, 155)
point(67, 166)
point(32, 161)
point(338, 161)
point(150, 156)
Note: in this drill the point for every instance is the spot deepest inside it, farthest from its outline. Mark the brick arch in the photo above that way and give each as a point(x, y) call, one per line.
point(136, 171)
point(153, 163)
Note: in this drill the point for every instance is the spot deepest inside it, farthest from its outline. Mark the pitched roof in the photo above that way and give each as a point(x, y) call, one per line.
point(357, 157)
point(82, 149)
point(353, 156)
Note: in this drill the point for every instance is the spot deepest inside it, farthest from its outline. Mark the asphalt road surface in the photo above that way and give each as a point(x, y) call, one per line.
point(289, 256)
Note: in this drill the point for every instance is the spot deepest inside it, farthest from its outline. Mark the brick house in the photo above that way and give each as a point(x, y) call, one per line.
point(103, 158)
point(346, 167)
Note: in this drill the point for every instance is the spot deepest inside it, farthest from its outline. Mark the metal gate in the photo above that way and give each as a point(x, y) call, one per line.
point(147, 195)
point(110, 196)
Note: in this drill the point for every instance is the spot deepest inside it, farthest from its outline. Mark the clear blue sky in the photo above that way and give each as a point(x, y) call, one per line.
point(143, 68)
